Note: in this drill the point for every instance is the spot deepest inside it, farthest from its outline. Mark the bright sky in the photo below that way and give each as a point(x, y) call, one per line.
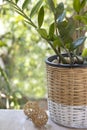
point(0, 1)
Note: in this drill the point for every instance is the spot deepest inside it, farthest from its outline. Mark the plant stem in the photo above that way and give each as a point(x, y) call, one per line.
point(62, 45)
point(19, 10)
point(57, 52)
point(6, 79)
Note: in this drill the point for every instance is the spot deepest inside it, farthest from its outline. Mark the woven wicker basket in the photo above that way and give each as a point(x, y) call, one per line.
point(67, 94)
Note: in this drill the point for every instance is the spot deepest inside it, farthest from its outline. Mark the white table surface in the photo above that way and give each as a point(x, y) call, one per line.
point(16, 120)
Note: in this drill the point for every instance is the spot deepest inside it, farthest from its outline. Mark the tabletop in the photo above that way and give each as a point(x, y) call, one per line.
point(16, 120)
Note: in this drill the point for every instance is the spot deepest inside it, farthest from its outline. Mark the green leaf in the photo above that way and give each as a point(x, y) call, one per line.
point(70, 28)
point(66, 29)
point(51, 30)
point(69, 46)
point(43, 33)
point(16, 1)
point(51, 5)
point(82, 18)
point(59, 10)
point(57, 42)
point(62, 30)
point(76, 5)
point(83, 3)
point(78, 42)
point(2, 44)
point(41, 17)
point(25, 4)
point(35, 8)
point(77, 17)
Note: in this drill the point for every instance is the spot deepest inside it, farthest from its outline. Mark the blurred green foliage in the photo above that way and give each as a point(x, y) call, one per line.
point(22, 53)
point(23, 60)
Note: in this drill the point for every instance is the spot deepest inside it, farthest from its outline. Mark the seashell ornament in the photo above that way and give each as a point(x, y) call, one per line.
point(38, 116)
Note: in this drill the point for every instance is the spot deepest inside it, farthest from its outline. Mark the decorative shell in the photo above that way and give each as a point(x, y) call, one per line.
point(35, 113)
point(31, 109)
point(41, 118)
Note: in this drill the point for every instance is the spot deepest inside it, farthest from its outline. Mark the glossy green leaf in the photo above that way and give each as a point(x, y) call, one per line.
point(25, 4)
point(78, 42)
point(59, 10)
point(70, 27)
point(51, 30)
point(43, 33)
point(62, 29)
point(51, 5)
point(76, 5)
point(66, 29)
point(61, 17)
point(41, 16)
point(35, 8)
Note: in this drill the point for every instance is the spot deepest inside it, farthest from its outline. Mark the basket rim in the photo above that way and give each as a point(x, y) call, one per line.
point(49, 60)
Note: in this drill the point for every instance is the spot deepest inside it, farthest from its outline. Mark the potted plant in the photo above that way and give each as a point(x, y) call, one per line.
point(67, 69)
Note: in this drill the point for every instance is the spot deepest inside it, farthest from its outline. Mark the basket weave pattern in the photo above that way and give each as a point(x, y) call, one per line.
point(69, 116)
point(67, 94)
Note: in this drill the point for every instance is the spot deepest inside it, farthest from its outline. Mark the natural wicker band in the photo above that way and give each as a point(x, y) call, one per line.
point(68, 92)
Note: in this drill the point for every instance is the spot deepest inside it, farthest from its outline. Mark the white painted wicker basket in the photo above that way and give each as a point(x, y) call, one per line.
point(69, 116)
point(67, 95)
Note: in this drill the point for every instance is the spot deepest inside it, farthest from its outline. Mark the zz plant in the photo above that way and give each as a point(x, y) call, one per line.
point(65, 34)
